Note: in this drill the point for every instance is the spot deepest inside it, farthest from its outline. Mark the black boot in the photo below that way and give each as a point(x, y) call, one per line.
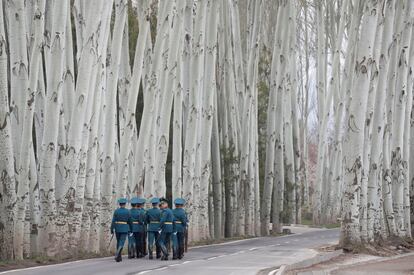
point(118, 257)
point(175, 257)
point(158, 252)
point(150, 254)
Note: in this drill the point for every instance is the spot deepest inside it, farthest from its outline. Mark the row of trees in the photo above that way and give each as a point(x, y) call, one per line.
point(366, 94)
point(219, 102)
point(377, 140)
point(85, 122)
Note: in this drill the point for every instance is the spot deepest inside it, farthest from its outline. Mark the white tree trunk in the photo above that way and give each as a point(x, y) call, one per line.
point(375, 161)
point(280, 56)
point(398, 166)
point(133, 94)
point(8, 201)
point(169, 77)
point(207, 113)
point(18, 69)
point(153, 187)
point(191, 185)
point(95, 235)
point(71, 203)
point(49, 149)
point(108, 176)
point(271, 127)
point(407, 137)
point(354, 136)
point(26, 145)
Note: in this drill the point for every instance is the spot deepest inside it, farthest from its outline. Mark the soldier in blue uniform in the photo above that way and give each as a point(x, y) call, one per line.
point(121, 227)
point(153, 218)
point(167, 226)
point(180, 226)
point(132, 249)
point(138, 221)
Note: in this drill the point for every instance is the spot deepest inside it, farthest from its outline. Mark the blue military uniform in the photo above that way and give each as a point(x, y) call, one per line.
point(153, 217)
point(138, 223)
point(180, 228)
point(167, 228)
point(132, 249)
point(121, 227)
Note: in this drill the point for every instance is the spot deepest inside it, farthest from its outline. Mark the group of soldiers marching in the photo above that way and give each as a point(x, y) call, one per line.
point(160, 225)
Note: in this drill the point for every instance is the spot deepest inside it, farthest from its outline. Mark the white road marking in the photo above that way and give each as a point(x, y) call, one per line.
point(281, 270)
point(186, 262)
point(273, 272)
point(272, 245)
point(143, 272)
point(212, 258)
point(225, 243)
point(254, 248)
point(160, 269)
point(171, 265)
point(238, 252)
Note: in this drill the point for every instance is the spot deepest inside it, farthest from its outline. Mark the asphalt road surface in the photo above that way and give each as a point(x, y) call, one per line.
point(238, 257)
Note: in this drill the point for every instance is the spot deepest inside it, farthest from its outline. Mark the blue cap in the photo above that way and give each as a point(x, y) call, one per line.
point(122, 201)
point(141, 201)
point(163, 200)
point(155, 200)
point(135, 200)
point(179, 201)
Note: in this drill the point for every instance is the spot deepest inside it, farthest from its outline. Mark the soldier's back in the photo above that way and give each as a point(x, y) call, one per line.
point(167, 219)
point(180, 219)
point(153, 216)
point(121, 220)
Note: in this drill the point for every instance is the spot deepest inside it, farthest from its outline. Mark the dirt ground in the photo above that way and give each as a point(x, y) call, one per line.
point(359, 264)
point(404, 265)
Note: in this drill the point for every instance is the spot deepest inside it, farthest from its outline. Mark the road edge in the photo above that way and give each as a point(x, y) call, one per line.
point(372, 261)
point(320, 258)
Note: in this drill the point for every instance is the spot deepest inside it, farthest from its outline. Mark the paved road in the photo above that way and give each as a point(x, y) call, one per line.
point(239, 257)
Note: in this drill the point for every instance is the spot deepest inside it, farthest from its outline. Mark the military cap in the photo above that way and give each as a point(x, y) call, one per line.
point(179, 201)
point(135, 200)
point(141, 200)
point(122, 201)
point(155, 200)
point(163, 200)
